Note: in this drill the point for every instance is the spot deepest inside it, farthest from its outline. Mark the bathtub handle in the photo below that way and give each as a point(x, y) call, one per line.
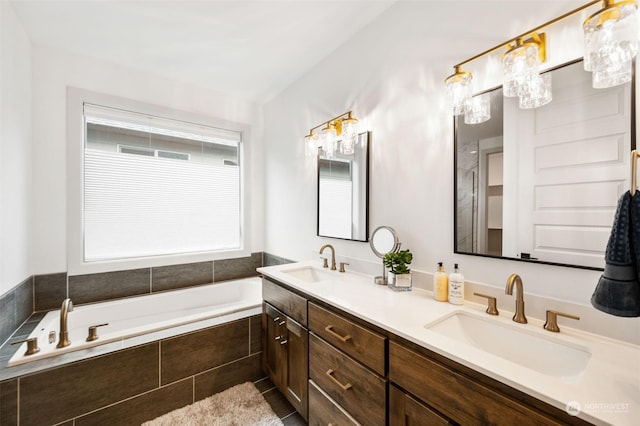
point(32, 345)
point(93, 332)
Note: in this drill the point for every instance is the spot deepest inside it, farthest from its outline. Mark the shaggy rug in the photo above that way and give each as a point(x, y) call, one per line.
point(241, 405)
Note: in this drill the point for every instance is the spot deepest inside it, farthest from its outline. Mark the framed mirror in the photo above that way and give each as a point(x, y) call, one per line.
point(343, 193)
point(542, 184)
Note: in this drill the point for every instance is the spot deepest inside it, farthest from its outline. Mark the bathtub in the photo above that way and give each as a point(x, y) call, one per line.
point(141, 315)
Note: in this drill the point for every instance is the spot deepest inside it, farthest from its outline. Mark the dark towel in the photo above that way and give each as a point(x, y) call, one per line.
point(618, 290)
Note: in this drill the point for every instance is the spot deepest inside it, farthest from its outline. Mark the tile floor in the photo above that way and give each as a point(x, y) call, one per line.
point(279, 404)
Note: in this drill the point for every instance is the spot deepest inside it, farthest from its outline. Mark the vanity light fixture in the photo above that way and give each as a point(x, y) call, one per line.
point(311, 144)
point(458, 89)
point(349, 135)
point(536, 92)
point(611, 43)
point(478, 109)
point(328, 140)
point(343, 129)
point(521, 64)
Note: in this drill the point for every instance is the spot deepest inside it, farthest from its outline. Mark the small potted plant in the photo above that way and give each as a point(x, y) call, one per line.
point(399, 274)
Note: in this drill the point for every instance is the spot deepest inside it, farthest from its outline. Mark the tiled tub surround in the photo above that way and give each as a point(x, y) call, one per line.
point(46, 292)
point(68, 383)
point(132, 385)
point(15, 307)
point(125, 318)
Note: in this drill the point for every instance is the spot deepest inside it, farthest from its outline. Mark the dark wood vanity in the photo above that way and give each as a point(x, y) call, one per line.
point(338, 369)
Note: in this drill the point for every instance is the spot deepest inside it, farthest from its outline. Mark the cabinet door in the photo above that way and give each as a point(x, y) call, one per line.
point(404, 410)
point(297, 357)
point(274, 355)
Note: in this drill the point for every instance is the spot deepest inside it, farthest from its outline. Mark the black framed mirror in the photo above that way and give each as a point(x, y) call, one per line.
point(542, 184)
point(343, 193)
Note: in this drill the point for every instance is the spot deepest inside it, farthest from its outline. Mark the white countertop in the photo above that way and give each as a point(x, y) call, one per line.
point(608, 390)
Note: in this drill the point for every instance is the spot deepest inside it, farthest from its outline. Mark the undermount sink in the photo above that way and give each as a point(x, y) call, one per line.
point(311, 274)
point(543, 354)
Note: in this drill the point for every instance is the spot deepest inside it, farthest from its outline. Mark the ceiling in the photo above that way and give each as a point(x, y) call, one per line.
point(250, 49)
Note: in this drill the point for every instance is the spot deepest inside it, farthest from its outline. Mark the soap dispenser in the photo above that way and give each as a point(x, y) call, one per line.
point(456, 286)
point(440, 284)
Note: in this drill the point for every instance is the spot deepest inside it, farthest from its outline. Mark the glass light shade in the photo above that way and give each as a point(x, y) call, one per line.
point(611, 37)
point(458, 87)
point(311, 145)
point(536, 92)
point(519, 63)
point(328, 141)
point(349, 136)
point(478, 109)
point(613, 76)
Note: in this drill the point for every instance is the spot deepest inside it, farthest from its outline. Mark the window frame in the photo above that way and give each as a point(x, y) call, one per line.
point(76, 265)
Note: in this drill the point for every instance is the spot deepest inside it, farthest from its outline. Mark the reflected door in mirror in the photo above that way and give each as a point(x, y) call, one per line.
point(564, 166)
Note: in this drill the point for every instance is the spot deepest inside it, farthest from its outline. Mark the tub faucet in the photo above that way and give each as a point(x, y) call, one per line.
point(333, 256)
point(519, 315)
point(67, 306)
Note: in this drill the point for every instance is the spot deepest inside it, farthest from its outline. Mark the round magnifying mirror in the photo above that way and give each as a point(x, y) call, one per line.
point(383, 240)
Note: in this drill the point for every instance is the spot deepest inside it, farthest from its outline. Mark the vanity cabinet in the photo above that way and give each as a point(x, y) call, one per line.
point(346, 369)
point(404, 410)
point(338, 369)
point(285, 341)
point(458, 396)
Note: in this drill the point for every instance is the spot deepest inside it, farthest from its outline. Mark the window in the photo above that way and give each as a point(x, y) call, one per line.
point(154, 186)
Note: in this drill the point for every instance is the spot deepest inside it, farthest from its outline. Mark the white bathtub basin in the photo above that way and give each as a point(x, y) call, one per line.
point(311, 274)
point(135, 316)
point(533, 350)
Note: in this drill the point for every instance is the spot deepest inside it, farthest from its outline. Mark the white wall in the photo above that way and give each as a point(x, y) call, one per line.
point(15, 151)
point(53, 71)
point(391, 75)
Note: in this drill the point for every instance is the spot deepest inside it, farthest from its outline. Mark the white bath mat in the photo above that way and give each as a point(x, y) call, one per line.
point(241, 405)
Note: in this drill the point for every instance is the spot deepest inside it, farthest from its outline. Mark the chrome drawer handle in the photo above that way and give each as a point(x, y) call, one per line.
point(344, 387)
point(284, 342)
point(281, 322)
point(329, 330)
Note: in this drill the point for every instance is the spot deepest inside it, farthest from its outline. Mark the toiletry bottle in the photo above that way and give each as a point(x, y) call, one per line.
point(440, 284)
point(456, 286)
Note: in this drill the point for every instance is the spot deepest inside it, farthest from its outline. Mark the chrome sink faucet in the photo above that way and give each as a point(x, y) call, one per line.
point(519, 315)
point(333, 256)
point(67, 306)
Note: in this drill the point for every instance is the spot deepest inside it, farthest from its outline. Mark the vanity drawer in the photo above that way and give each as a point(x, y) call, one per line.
point(363, 345)
point(287, 301)
point(323, 411)
point(458, 397)
point(355, 388)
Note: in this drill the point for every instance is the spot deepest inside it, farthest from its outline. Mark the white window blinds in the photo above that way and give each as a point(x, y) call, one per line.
point(155, 186)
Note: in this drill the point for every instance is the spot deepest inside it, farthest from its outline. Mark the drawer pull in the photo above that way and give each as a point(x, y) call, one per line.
point(329, 329)
point(344, 387)
point(284, 342)
point(276, 319)
point(281, 322)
